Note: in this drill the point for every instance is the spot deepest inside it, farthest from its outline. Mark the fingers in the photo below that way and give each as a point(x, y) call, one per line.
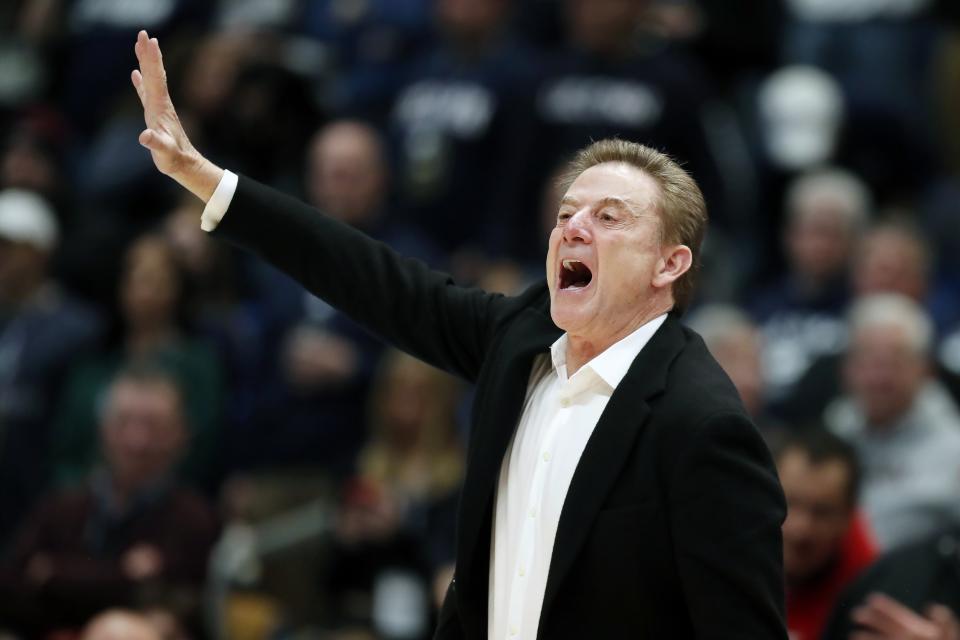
point(945, 620)
point(886, 616)
point(941, 614)
point(157, 78)
point(137, 81)
point(153, 77)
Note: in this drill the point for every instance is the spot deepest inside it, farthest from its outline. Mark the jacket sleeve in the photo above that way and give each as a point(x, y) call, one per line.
point(727, 509)
point(418, 310)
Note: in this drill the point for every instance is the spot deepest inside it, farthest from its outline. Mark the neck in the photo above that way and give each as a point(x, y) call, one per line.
point(583, 349)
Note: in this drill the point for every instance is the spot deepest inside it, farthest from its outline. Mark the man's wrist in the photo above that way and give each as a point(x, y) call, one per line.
point(200, 177)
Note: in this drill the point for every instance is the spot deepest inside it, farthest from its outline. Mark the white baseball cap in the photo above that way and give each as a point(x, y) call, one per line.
point(26, 218)
point(802, 110)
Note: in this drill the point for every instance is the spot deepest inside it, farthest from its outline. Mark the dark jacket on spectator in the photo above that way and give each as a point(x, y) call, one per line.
point(85, 537)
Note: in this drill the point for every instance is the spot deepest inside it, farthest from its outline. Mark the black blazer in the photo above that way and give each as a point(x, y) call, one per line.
point(671, 526)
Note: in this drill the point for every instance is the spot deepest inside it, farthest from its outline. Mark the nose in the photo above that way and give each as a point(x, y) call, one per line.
point(577, 228)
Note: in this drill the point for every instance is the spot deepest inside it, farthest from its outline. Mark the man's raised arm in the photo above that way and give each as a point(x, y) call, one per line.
point(164, 136)
point(401, 300)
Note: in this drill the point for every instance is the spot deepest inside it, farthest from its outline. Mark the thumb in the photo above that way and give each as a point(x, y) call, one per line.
point(153, 140)
point(166, 154)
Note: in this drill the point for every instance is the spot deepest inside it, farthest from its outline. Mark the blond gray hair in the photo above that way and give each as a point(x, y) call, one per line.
point(894, 310)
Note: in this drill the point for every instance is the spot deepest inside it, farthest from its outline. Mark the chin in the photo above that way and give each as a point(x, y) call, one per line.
point(568, 319)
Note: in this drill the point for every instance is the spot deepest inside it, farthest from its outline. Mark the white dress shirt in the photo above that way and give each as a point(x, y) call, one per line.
point(219, 202)
point(559, 416)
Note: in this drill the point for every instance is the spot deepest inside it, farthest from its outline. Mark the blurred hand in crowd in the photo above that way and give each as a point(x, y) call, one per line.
point(369, 513)
point(883, 618)
point(142, 562)
point(316, 359)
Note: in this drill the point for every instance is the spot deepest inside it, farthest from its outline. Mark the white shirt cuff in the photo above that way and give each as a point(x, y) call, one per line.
point(219, 202)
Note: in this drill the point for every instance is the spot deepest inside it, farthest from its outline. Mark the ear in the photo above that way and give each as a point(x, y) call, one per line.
point(674, 262)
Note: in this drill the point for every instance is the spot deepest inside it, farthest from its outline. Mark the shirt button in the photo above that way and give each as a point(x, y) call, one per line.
point(522, 572)
point(564, 403)
point(513, 630)
point(546, 456)
point(533, 512)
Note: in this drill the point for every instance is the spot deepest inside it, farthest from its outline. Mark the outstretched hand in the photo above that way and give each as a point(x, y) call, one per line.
point(171, 150)
point(883, 618)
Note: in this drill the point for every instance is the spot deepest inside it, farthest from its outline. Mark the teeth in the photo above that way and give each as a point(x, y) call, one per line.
point(568, 264)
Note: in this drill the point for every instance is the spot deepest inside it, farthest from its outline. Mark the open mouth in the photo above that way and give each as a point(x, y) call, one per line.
point(574, 275)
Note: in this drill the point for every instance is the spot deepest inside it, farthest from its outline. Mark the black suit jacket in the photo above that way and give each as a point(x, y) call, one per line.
point(671, 526)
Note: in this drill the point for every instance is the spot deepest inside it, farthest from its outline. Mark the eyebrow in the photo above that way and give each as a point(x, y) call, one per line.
point(608, 201)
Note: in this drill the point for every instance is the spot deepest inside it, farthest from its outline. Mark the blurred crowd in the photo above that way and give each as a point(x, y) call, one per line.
point(191, 446)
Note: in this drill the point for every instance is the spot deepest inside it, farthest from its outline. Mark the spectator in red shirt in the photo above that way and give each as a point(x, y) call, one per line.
point(826, 543)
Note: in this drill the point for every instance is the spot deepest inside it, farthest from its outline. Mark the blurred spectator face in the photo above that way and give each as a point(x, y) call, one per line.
point(142, 431)
point(414, 405)
point(19, 264)
point(884, 372)
point(120, 625)
point(212, 73)
point(151, 286)
point(26, 165)
point(739, 355)
point(471, 19)
point(891, 260)
point(734, 341)
point(346, 173)
point(818, 512)
point(819, 242)
point(406, 401)
point(604, 26)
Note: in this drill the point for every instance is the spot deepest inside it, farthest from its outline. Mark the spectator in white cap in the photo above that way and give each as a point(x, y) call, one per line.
point(41, 331)
point(28, 234)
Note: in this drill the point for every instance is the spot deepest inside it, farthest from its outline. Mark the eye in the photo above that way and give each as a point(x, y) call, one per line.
point(563, 216)
point(606, 216)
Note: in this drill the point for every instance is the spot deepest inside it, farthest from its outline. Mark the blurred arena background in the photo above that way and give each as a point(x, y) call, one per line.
point(187, 436)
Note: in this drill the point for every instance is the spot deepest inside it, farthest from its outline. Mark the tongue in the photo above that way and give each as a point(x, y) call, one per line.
point(579, 276)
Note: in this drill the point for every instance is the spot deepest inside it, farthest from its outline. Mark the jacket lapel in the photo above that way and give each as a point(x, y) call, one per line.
point(608, 449)
point(497, 414)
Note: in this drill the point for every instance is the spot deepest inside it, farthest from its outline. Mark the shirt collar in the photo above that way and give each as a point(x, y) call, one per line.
point(612, 364)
